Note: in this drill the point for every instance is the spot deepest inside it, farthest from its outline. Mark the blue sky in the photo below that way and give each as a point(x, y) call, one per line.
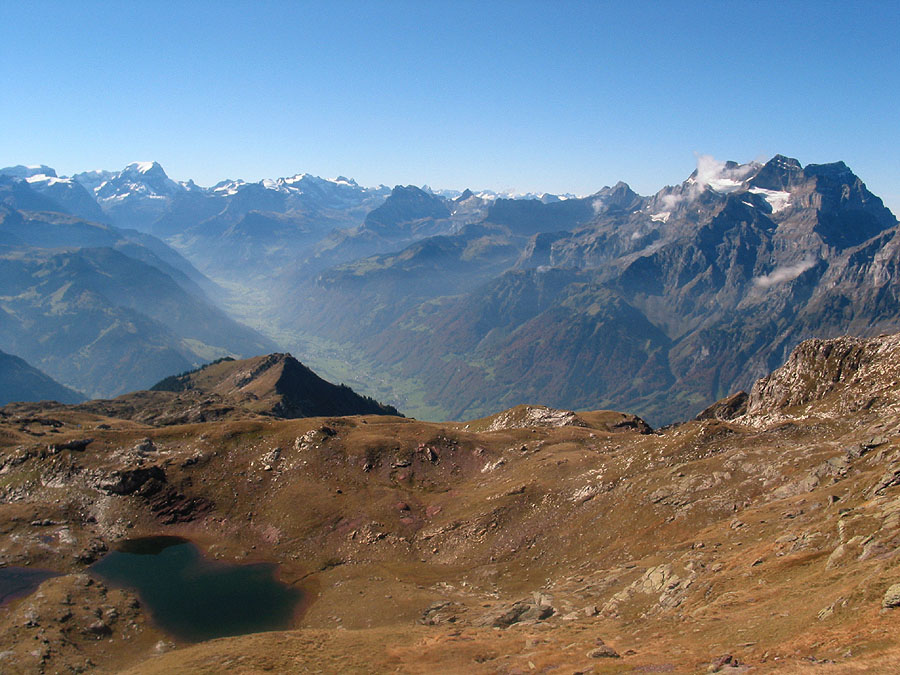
point(561, 96)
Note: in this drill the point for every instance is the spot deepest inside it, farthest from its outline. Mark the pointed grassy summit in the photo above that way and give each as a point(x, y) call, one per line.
point(277, 385)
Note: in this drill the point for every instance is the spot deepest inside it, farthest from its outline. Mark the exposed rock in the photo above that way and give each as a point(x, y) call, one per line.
point(522, 417)
point(536, 609)
point(725, 661)
point(129, 481)
point(604, 651)
point(77, 445)
point(853, 372)
point(891, 597)
point(439, 612)
point(144, 446)
point(99, 628)
point(727, 408)
point(91, 553)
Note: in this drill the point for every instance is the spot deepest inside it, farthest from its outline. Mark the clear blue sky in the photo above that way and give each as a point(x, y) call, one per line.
point(555, 96)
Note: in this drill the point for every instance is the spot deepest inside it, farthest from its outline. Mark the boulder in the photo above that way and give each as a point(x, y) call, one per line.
point(891, 597)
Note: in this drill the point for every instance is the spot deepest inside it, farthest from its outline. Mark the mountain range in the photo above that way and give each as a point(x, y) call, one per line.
point(101, 309)
point(457, 305)
point(655, 304)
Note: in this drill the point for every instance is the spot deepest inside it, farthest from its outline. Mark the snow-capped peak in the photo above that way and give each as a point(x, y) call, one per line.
point(48, 179)
point(227, 187)
point(295, 178)
point(142, 167)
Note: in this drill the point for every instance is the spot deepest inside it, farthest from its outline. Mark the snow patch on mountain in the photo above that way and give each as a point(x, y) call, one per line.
point(141, 167)
point(49, 180)
point(778, 199)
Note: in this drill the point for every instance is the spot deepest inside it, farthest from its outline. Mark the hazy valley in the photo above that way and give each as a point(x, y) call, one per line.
point(454, 306)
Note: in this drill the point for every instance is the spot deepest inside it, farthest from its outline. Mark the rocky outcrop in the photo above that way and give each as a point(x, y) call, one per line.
point(829, 377)
point(536, 608)
point(526, 416)
point(726, 409)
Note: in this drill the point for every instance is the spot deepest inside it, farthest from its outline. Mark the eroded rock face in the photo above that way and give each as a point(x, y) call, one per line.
point(147, 480)
point(813, 370)
point(840, 375)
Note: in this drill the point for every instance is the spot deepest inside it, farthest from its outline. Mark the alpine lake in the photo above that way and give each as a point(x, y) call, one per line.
point(194, 598)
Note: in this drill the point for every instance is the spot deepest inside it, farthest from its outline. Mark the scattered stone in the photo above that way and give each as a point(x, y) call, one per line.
point(99, 628)
point(163, 646)
point(603, 652)
point(891, 597)
point(722, 662)
point(91, 553)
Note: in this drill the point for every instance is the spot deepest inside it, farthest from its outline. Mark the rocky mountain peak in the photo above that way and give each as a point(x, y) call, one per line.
point(618, 197)
point(779, 173)
point(838, 171)
point(406, 204)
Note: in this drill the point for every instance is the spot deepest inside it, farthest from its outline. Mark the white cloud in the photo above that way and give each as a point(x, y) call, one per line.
point(711, 173)
point(717, 175)
point(784, 273)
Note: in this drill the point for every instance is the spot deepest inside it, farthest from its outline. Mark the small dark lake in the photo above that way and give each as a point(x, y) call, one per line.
point(195, 598)
point(16, 582)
